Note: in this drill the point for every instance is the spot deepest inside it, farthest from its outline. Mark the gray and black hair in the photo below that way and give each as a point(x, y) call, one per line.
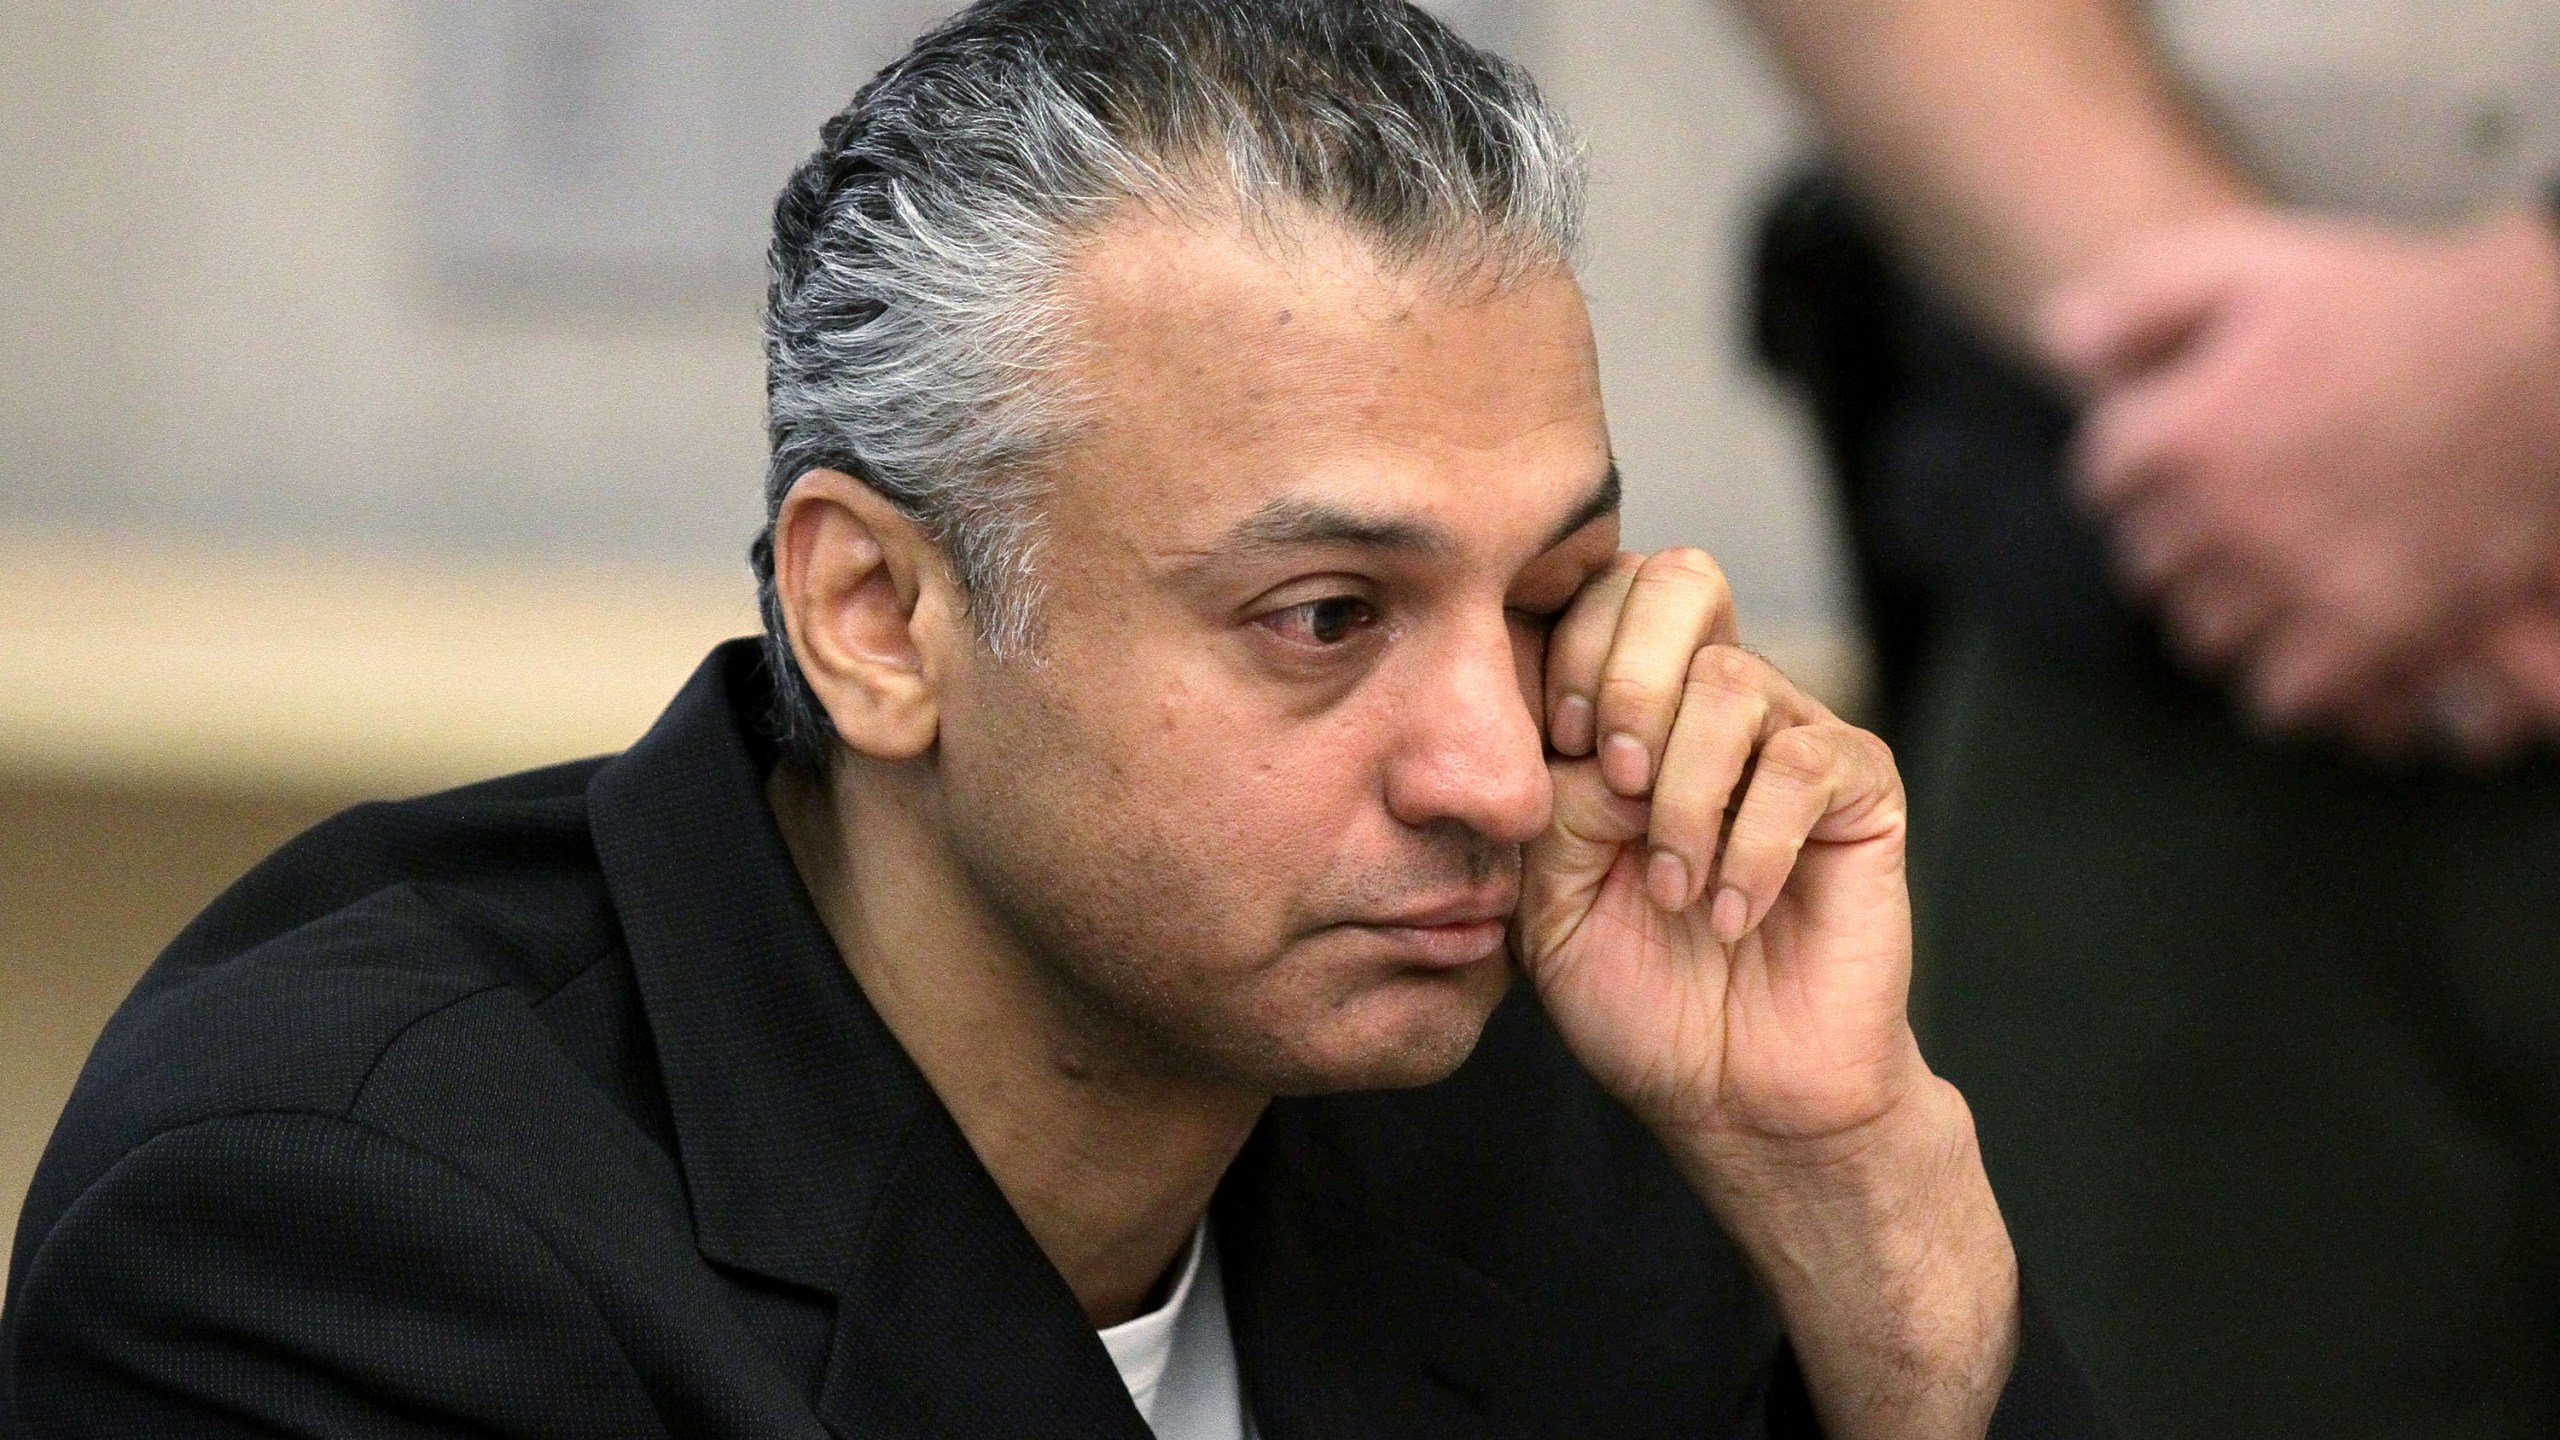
point(912, 325)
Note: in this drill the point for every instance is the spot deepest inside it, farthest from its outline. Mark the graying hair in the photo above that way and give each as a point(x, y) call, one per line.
point(912, 327)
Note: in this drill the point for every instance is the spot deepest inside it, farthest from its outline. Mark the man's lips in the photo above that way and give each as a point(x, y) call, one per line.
point(1444, 935)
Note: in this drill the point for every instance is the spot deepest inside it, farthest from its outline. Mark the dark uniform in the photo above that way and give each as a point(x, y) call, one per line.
point(2265, 1046)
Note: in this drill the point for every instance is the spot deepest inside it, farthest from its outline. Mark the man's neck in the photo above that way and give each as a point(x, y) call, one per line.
point(1110, 1165)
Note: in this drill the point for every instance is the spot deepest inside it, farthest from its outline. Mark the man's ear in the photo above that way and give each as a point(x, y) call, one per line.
point(867, 605)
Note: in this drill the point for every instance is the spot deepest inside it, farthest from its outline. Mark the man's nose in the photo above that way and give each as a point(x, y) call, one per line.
point(1471, 750)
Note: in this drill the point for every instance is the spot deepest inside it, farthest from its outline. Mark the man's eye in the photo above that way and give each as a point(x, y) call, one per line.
point(1329, 621)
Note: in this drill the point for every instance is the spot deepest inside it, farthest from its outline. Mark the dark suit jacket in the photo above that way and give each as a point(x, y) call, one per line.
point(546, 1107)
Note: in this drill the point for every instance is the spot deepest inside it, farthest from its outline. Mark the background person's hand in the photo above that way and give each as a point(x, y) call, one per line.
point(1718, 922)
point(2329, 453)
point(2477, 701)
point(2523, 648)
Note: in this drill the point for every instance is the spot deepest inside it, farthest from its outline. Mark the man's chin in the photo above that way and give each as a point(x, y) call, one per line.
point(1413, 1030)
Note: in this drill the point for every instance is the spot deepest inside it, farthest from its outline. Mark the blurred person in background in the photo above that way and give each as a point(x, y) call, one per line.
point(2193, 375)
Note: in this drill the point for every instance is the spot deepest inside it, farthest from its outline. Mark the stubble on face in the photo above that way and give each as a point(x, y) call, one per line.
point(1185, 842)
point(1163, 951)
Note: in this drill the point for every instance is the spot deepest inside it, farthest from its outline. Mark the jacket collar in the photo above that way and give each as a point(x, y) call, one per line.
point(815, 1153)
point(790, 1098)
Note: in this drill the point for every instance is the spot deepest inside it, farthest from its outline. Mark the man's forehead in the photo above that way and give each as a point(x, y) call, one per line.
point(1246, 323)
point(1247, 396)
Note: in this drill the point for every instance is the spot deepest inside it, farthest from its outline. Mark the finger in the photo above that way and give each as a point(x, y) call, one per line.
point(2155, 542)
point(1561, 871)
point(2214, 613)
point(2138, 439)
point(1804, 780)
point(2136, 314)
point(1678, 603)
point(1731, 704)
point(2478, 718)
point(2300, 670)
point(1576, 649)
point(2525, 647)
point(2384, 724)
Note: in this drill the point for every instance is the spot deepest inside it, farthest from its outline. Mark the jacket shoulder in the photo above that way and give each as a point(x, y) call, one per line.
point(299, 1273)
point(512, 850)
point(285, 995)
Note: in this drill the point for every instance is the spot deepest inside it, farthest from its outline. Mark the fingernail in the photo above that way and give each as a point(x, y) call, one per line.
point(1667, 879)
point(1624, 764)
point(1731, 916)
point(1570, 731)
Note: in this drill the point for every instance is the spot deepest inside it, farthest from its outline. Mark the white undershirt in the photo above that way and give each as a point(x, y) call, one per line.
point(1178, 1360)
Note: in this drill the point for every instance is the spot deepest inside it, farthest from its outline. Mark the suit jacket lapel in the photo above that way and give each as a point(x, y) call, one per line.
point(1345, 1327)
point(954, 1324)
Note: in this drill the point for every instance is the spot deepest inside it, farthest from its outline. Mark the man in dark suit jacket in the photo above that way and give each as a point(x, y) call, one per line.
point(1057, 985)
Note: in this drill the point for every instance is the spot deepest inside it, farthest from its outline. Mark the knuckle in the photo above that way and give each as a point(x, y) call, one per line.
point(2101, 474)
point(1759, 850)
point(2184, 616)
point(2156, 544)
point(1622, 695)
point(1876, 756)
point(2117, 445)
point(2140, 564)
point(1800, 754)
point(2246, 528)
point(1868, 745)
point(1577, 644)
point(2198, 649)
point(1727, 668)
point(2334, 588)
point(2175, 450)
point(1683, 812)
point(1686, 566)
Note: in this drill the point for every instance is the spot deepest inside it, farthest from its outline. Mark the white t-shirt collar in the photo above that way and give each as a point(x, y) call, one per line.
point(1179, 1360)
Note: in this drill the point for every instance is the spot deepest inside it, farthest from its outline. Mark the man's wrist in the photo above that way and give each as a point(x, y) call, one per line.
point(1886, 1258)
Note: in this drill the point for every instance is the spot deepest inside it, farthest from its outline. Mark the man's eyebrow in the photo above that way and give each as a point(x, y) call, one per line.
point(1286, 523)
point(1603, 500)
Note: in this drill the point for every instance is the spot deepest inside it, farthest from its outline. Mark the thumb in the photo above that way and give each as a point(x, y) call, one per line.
point(2133, 315)
point(1562, 870)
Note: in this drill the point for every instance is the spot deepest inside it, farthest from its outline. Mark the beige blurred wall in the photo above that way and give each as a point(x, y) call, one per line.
point(286, 518)
point(221, 318)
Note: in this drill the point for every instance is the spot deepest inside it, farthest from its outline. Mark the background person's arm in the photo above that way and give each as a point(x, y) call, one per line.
point(2327, 455)
point(2010, 145)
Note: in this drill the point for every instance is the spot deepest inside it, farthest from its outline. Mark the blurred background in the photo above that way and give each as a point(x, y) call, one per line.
point(380, 405)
